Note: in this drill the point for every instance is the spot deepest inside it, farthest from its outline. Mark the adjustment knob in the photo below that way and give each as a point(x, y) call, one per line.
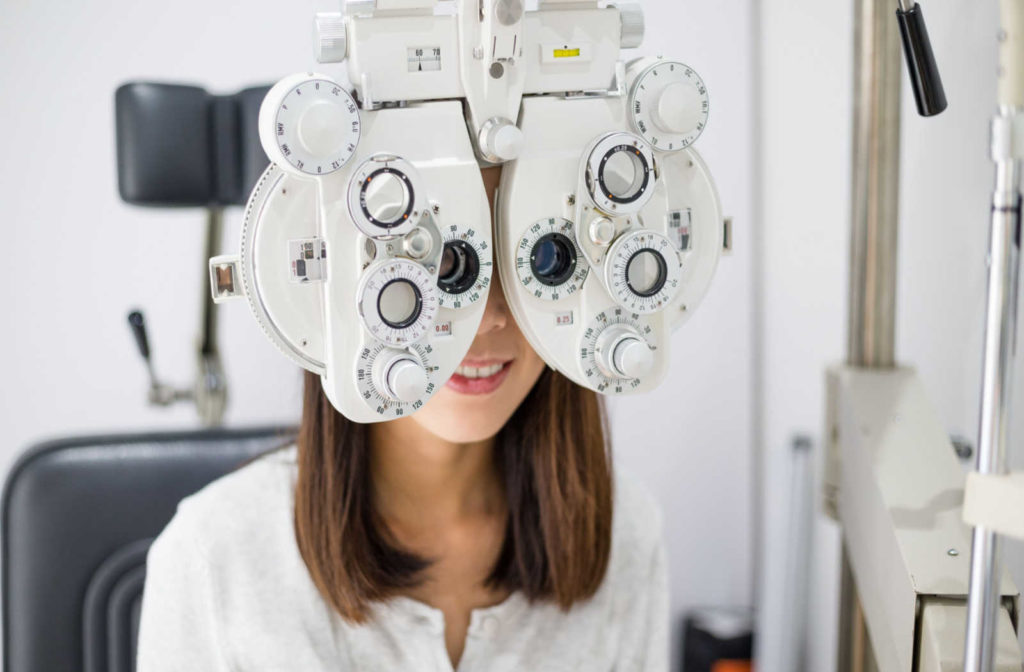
point(500, 140)
point(632, 358)
point(399, 376)
point(329, 42)
point(631, 15)
point(679, 109)
point(623, 353)
point(309, 125)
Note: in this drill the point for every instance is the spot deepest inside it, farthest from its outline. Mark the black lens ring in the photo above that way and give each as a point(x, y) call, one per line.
point(644, 166)
point(563, 242)
point(662, 272)
point(470, 268)
point(408, 208)
point(415, 315)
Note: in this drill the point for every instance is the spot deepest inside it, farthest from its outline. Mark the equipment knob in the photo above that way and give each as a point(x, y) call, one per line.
point(329, 43)
point(399, 376)
point(679, 108)
point(500, 140)
point(631, 15)
point(623, 353)
point(632, 358)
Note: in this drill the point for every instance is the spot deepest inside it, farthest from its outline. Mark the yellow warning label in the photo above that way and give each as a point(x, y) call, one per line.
point(567, 53)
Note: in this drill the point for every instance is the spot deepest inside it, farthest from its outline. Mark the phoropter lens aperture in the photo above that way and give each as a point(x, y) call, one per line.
point(646, 272)
point(399, 303)
point(553, 259)
point(460, 267)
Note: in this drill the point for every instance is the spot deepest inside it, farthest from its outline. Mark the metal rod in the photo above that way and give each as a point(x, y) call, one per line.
point(871, 334)
point(996, 392)
point(875, 193)
point(1000, 332)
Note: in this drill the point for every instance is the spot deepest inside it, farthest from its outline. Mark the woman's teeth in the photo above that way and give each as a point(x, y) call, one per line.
point(481, 372)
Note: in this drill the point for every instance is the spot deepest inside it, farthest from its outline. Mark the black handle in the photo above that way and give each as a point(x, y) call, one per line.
point(138, 324)
point(924, 74)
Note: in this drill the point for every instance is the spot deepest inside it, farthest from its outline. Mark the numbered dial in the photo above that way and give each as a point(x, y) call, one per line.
point(395, 382)
point(643, 271)
point(398, 301)
point(382, 196)
point(309, 124)
point(465, 270)
point(620, 173)
point(669, 105)
point(549, 261)
point(615, 352)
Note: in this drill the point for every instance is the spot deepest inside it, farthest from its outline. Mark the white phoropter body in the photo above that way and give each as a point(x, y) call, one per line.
point(361, 305)
point(628, 236)
point(366, 252)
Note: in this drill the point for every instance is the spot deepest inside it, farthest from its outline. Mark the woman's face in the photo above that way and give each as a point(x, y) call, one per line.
point(494, 377)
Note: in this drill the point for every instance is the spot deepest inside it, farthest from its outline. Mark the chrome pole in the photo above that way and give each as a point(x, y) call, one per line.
point(1000, 332)
point(871, 335)
point(871, 339)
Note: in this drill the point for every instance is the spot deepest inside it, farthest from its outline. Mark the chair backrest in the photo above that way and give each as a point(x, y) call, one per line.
point(179, 146)
point(78, 516)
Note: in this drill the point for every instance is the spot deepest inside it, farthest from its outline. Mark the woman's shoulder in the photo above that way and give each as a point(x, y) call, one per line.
point(244, 507)
point(636, 523)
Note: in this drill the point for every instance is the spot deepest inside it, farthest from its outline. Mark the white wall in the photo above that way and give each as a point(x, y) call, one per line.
point(77, 259)
point(806, 104)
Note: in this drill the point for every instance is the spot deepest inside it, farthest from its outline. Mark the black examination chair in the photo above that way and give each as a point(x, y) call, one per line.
point(78, 517)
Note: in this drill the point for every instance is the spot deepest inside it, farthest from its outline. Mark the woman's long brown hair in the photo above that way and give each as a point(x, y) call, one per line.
point(556, 464)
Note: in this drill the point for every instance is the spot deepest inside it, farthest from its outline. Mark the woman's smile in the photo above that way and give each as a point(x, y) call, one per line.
point(479, 376)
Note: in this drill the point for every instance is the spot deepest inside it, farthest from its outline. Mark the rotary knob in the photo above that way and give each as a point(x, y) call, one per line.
point(500, 140)
point(329, 41)
point(398, 375)
point(631, 17)
point(679, 108)
point(623, 353)
point(309, 125)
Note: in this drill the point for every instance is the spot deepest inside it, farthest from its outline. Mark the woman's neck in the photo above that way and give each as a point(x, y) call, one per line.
point(421, 479)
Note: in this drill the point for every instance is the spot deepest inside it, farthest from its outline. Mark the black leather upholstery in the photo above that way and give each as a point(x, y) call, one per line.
point(78, 517)
point(181, 146)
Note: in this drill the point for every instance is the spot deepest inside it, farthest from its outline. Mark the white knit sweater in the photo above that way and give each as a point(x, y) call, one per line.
point(226, 590)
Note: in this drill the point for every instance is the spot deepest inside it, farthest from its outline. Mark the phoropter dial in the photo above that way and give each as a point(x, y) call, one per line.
point(309, 125)
point(668, 105)
point(383, 196)
point(398, 301)
point(620, 173)
point(395, 382)
point(549, 261)
point(643, 271)
point(465, 270)
point(615, 353)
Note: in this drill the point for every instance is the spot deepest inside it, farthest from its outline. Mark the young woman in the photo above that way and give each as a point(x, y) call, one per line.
point(484, 532)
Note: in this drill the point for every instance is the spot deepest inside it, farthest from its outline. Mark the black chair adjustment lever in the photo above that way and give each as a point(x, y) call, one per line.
point(924, 73)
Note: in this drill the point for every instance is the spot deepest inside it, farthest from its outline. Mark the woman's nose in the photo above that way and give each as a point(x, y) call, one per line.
point(496, 311)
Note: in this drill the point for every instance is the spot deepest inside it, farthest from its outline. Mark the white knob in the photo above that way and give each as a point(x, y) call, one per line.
point(602, 231)
point(329, 43)
point(500, 140)
point(631, 15)
point(623, 353)
point(632, 358)
point(679, 108)
point(406, 380)
point(396, 374)
point(322, 130)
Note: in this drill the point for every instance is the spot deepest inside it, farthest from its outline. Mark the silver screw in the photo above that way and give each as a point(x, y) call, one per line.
point(437, 209)
point(572, 199)
point(305, 342)
point(952, 552)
